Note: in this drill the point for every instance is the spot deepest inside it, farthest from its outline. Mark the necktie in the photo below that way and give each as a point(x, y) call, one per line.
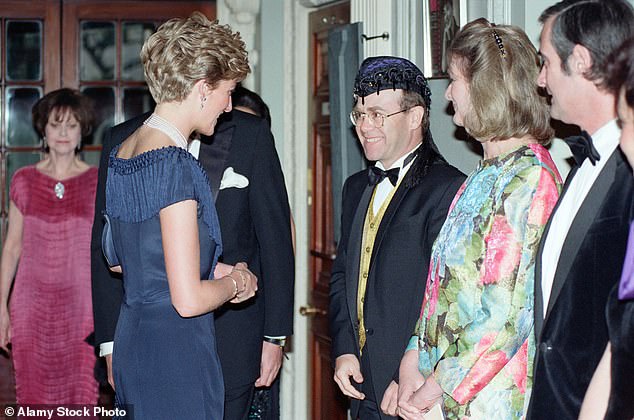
point(626, 286)
point(581, 147)
point(376, 175)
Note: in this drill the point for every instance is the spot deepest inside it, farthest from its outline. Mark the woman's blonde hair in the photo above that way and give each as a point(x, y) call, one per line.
point(185, 50)
point(501, 67)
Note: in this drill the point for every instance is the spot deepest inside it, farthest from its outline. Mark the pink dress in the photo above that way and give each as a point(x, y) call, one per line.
point(51, 306)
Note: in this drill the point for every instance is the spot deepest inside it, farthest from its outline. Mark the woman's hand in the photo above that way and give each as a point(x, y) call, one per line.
point(5, 330)
point(427, 395)
point(246, 282)
point(409, 381)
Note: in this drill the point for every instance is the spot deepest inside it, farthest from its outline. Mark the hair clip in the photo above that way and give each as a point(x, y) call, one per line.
point(499, 43)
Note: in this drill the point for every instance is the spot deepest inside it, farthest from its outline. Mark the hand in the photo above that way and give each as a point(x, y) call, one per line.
point(5, 330)
point(427, 395)
point(347, 365)
point(222, 270)
point(108, 358)
point(246, 281)
point(390, 399)
point(410, 380)
point(272, 356)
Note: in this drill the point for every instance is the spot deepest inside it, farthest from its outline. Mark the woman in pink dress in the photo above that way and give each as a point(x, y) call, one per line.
point(48, 315)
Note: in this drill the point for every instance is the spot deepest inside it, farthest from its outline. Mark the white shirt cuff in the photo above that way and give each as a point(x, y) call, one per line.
point(105, 348)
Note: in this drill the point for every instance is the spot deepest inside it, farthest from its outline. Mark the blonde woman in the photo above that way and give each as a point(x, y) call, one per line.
point(474, 343)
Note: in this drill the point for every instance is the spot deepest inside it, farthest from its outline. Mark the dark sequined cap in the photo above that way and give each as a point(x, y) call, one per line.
point(387, 72)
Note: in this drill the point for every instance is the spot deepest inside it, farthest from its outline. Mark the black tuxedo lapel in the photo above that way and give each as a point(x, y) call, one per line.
point(539, 298)
point(580, 225)
point(213, 155)
point(354, 251)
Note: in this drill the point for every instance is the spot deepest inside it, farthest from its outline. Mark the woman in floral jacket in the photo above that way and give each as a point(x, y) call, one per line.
point(474, 344)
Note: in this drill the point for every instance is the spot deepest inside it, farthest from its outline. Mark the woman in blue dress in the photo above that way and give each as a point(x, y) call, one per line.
point(165, 232)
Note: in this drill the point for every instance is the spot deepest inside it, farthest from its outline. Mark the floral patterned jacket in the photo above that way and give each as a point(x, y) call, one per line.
point(475, 333)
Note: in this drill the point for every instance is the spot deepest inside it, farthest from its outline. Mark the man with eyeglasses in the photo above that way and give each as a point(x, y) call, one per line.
point(391, 216)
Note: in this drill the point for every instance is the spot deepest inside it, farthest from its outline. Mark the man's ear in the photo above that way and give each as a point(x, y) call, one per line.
point(580, 61)
point(416, 115)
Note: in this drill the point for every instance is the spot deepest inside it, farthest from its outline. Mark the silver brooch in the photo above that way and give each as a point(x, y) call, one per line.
point(59, 190)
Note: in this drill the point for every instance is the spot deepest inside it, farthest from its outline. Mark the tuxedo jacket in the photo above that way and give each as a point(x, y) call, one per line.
point(398, 267)
point(572, 336)
point(255, 228)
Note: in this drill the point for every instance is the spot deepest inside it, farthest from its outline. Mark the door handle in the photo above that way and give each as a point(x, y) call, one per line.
point(311, 311)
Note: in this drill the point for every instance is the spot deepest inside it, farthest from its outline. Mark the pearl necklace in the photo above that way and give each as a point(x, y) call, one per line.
point(167, 128)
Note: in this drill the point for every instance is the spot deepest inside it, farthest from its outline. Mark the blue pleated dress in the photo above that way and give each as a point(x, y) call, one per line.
point(165, 366)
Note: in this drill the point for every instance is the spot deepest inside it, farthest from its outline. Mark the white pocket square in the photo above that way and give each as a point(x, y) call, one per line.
point(231, 179)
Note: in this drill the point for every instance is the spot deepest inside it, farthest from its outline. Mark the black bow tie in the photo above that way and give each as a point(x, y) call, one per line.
point(581, 147)
point(376, 175)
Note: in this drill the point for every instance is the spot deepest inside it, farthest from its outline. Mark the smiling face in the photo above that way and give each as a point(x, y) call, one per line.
point(554, 79)
point(626, 119)
point(218, 101)
point(390, 142)
point(63, 132)
point(458, 93)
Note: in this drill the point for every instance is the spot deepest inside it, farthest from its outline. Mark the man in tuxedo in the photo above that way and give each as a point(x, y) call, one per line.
point(391, 216)
point(584, 243)
point(248, 185)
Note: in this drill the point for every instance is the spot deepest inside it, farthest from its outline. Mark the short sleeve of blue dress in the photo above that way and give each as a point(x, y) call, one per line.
point(165, 366)
point(138, 188)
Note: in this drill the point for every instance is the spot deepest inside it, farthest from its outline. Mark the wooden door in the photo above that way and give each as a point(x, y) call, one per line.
point(101, 55)
point(29, 33)
point(328, 402)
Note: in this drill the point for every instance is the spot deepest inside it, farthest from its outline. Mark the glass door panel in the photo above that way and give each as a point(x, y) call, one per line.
point(24, 50)
point(19, 102)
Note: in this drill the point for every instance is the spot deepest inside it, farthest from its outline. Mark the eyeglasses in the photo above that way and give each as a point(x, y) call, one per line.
point(376, 118)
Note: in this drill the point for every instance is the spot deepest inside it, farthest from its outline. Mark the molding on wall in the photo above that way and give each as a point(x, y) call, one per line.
point(378, 16)
point(500, 11)
point(295, 399)
point(242, 16)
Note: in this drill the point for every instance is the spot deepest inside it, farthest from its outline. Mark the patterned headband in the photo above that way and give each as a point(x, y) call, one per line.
point(386, 72)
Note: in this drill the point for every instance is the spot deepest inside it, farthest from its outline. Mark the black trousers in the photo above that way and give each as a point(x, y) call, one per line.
point(238, 402)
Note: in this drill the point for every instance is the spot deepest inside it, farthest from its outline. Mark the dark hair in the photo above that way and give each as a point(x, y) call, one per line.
point(59, 102)
point(246, 98)
point(599, 26)
point(620, 71)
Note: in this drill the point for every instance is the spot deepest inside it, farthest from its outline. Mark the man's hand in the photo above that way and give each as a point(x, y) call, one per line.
point(410, 380)
point(222, 270)
point(109, 369)
point(389, 404)
point(271, 363)
point(347, 365)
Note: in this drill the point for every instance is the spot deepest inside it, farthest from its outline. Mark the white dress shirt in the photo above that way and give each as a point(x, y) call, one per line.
point(605, 140)
point(385, 187)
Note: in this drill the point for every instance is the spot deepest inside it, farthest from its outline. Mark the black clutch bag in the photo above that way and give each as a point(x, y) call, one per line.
point(107, 243)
